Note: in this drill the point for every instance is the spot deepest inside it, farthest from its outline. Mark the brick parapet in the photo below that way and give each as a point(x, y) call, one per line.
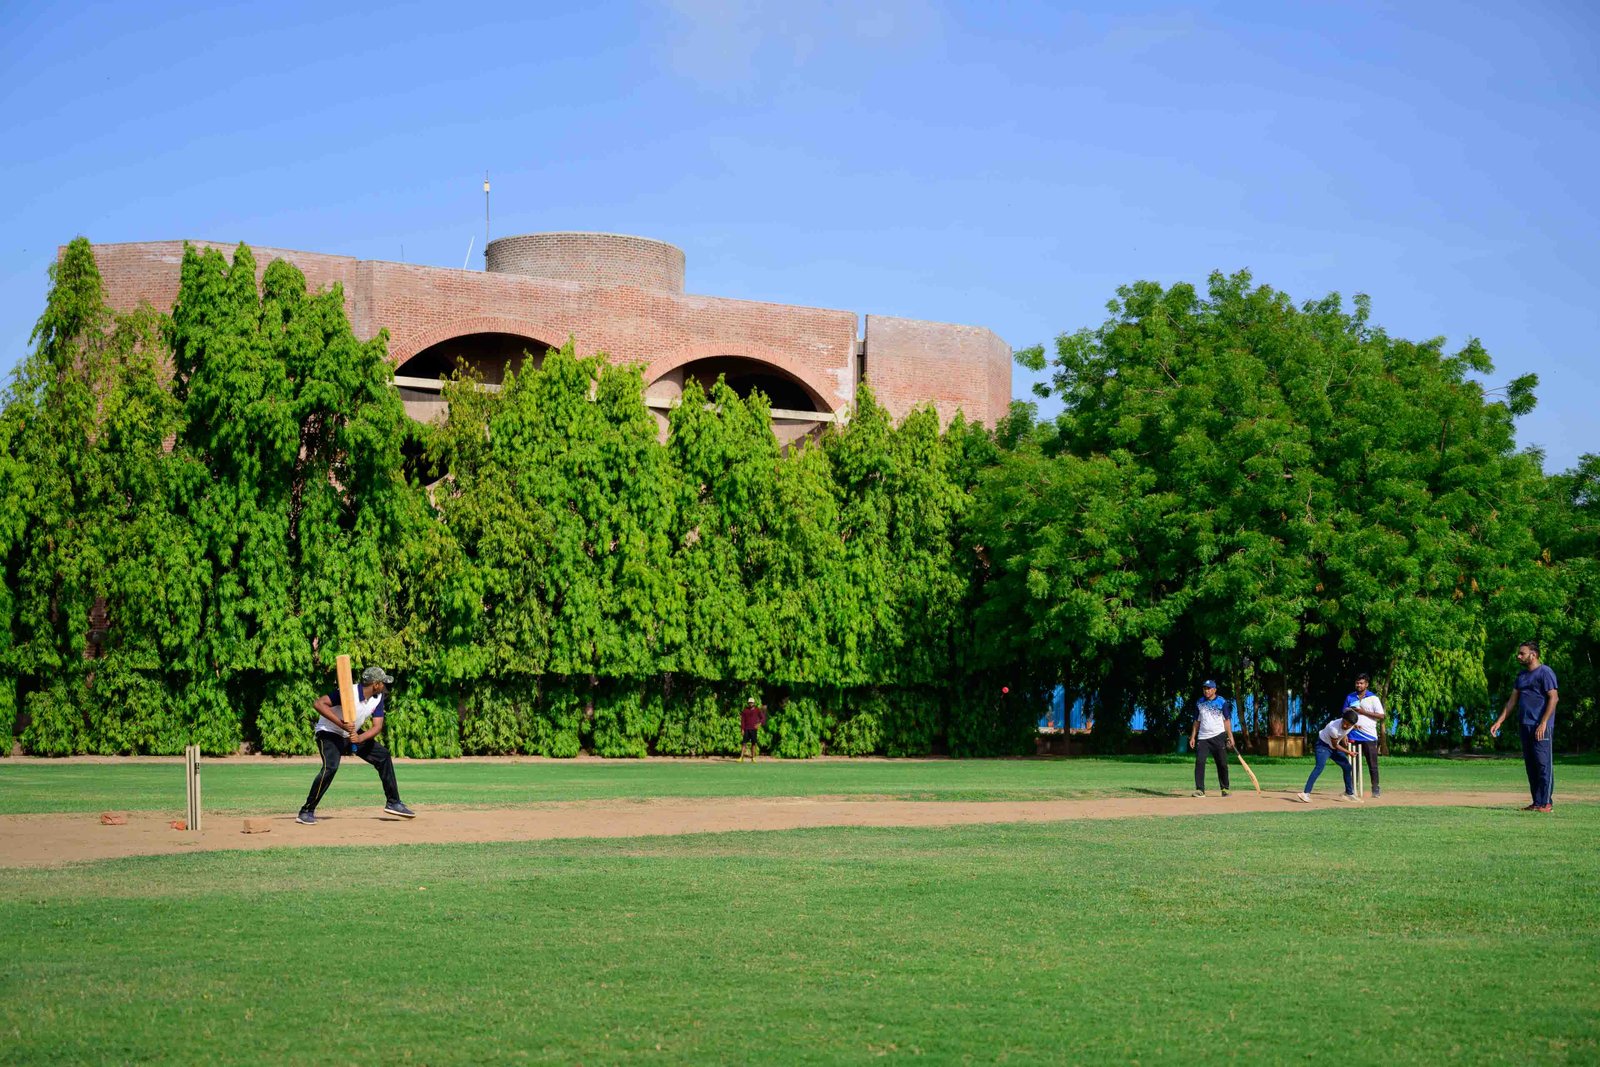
point(908, 361)
point(592, 260)
point(956, 368)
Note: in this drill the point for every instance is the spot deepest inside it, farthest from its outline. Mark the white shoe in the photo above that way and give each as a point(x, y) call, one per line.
point(1350, 798)
point(1304, 798)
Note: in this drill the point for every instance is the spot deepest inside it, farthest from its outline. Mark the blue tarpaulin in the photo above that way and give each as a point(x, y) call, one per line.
point(1053, 717)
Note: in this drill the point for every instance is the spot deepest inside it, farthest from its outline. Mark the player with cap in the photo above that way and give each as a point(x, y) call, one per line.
point(1211, 734)
point(750, 720)
point(334, 742)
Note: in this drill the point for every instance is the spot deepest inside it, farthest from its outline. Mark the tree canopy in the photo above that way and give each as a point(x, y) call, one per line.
point(200, 508)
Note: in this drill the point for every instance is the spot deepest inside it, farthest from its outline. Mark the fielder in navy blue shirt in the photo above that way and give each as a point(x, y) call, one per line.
point(1535, 694)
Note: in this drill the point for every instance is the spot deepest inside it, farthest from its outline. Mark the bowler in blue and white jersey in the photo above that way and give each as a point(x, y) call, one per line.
point(1211, 734)
point(1365, 736)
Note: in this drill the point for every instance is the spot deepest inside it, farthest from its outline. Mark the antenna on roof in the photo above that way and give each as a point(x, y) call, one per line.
point(486, 219)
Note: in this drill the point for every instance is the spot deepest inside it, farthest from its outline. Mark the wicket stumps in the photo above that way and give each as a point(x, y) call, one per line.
point(191, 781)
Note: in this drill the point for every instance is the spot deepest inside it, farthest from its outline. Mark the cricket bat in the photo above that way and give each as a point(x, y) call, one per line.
point(1247, 770)
point(347, 693)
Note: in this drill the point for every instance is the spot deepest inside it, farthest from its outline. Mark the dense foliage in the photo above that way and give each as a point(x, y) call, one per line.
point(199, 509)
point(1279, 495)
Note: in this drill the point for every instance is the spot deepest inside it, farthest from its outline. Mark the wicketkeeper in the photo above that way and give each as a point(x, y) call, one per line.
point(1364, 737)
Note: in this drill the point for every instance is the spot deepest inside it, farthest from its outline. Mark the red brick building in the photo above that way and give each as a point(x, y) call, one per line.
point(623, 296)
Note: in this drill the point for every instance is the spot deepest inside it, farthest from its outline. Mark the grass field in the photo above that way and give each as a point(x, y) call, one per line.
point(1381, 935)
point(33, 786)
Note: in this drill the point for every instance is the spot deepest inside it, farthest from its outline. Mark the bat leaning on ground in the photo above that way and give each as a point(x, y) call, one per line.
point(1253, 780)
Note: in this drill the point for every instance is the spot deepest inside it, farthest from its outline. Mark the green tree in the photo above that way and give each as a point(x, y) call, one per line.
point(289, 471)
point(724, 461)
point(1566, 619)
point(55, 472)
point(83, 490)
point(1317, 494)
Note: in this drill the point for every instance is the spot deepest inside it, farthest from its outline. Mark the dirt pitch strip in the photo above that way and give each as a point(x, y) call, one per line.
point(53, 840)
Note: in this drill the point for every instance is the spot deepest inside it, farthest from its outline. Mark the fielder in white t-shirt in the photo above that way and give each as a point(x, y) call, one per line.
point(1333, 743)
point(1365, 735)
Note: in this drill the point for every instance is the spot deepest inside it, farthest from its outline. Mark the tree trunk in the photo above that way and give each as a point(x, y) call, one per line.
point(1277, 704)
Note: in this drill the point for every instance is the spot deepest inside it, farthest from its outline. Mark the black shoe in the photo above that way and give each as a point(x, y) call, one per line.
point(394, 807)
point(306, 817)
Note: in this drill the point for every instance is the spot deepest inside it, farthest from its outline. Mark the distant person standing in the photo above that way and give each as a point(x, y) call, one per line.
point(1365, 735)
point(750, 720)
point(1535, 693)
point(1211, 735)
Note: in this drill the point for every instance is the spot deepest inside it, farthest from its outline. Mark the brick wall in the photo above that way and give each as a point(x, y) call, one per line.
point(958, 368)
point(147, 272)
point(593, 260)
point(908, 361)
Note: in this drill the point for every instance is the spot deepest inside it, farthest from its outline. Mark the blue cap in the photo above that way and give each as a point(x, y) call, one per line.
point(1208, 684)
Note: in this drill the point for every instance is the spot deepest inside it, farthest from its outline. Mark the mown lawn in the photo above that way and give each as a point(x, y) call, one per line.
point(1379, 935)
point(32, 786)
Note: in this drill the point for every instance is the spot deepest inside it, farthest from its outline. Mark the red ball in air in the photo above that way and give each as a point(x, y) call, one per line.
point(1005, 689)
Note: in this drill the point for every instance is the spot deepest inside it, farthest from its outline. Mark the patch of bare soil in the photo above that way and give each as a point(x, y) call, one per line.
point(52, 840)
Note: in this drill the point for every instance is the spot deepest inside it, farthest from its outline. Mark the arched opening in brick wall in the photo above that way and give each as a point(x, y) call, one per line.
point(790, 398)
point(744, 375)
point(485, 354)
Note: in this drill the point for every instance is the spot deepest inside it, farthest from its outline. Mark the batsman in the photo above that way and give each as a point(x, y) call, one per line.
point(349, 722)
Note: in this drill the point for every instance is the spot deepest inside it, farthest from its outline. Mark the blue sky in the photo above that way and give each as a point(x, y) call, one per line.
point(1002, 164)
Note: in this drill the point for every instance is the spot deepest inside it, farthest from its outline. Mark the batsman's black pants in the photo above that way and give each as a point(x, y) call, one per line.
point(1217, 749)
point(1369, 749)
point(333, 749)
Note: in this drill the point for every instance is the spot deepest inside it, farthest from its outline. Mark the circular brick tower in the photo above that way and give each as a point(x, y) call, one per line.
point(592, 260)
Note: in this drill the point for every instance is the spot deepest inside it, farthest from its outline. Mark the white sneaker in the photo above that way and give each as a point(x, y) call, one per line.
point(1350, 798)
point(1304, 798)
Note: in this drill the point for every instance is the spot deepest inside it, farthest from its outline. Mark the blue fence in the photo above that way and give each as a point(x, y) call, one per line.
point(1056, 716)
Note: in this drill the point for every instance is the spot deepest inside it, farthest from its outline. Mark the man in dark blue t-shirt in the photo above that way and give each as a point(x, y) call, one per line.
point(1535, 694)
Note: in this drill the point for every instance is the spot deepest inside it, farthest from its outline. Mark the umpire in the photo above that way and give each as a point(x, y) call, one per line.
point(1211, 734)
point(372, 700)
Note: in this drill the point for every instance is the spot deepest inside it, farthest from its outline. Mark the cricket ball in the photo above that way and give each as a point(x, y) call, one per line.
point(1005, 689)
